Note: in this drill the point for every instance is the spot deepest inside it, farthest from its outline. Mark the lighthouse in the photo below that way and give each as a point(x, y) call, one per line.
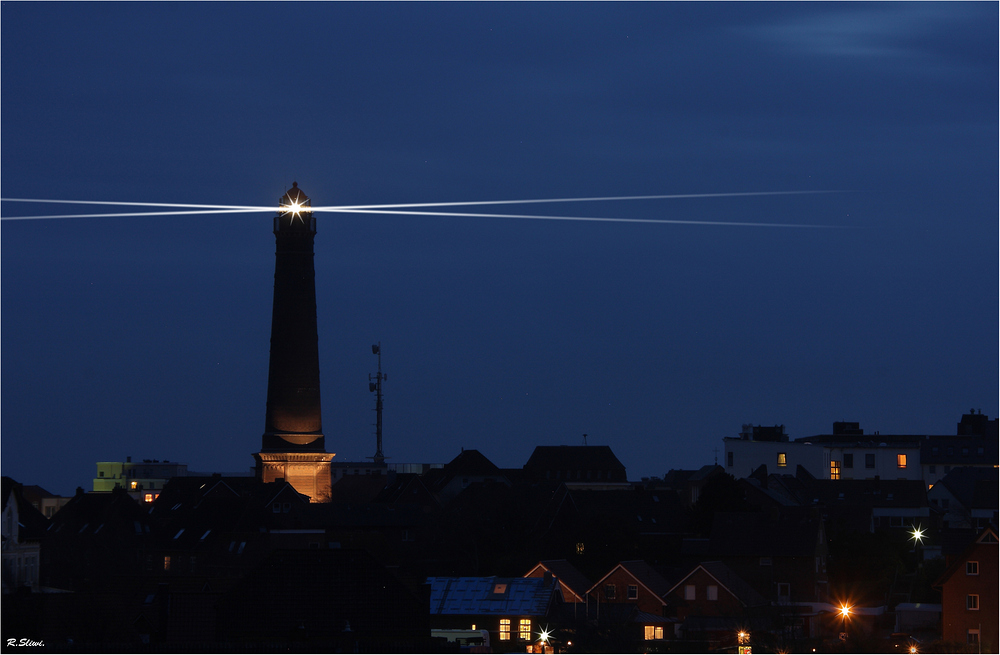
point(293, 447)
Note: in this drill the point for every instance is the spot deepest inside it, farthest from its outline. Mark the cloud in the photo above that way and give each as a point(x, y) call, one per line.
point(896, 30)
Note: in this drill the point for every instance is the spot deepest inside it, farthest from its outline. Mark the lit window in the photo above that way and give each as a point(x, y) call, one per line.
point(633, 591)
point(972, 602)
point(609, 591)
point(972, 568)
point(134, 484)
point(148, 498)
point(579, 548)
point(653, 632)
point(689, 592)
point(524, 629)
point(166, 563)
point(504, 629)
point(713, 592)
point(834, 469)
point(500, 588)
point(782, 459)
point(901, 461)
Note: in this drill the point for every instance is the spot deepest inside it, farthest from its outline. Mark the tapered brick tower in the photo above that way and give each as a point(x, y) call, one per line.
point(293, 446)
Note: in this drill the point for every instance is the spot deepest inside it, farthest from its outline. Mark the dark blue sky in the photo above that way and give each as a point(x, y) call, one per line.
point(149, 336)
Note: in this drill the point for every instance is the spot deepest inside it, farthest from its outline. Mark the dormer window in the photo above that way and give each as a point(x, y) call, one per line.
point(500, 588)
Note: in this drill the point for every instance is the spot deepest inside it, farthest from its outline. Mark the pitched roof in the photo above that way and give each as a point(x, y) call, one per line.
point(964, 481)
point(470, 462)
point(987, 536)
point(31, 520)
point(728, 579)
point(566, 574)
point(491, 595)
point(582, 458)
point(643, 573)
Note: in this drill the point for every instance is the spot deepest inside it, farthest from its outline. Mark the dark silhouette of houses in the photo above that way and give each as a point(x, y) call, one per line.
point(781, 554)
point(966, 498)
point(324, 600)
point(23, 527)
point(575, 464)
point(469, 467)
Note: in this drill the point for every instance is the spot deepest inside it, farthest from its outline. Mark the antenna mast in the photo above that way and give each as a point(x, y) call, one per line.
point(375, 384)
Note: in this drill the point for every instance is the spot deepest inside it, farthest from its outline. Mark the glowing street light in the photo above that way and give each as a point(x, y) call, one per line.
point(845, 613)
point(917, 534)
point(743, 637)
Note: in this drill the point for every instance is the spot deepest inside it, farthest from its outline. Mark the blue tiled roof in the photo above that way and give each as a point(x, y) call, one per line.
point(477, 596)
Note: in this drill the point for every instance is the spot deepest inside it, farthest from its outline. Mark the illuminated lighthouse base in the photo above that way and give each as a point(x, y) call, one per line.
point(309, 473)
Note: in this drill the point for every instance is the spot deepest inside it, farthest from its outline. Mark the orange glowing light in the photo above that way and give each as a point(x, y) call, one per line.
point(845, 610)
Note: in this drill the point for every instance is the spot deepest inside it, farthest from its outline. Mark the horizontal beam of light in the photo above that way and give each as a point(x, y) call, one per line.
point(134, 204)
point(195, 209)
point(196, 212)
point(597, 199)
point(576, 218)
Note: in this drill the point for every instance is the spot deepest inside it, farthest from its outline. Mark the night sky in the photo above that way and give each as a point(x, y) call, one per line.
point(148, 336)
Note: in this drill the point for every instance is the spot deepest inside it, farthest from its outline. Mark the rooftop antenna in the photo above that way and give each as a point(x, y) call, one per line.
point(584, 438)
point(375, 384)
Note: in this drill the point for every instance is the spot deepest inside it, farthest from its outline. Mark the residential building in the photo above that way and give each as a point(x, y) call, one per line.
point(969, 604)
point(513, 610)
point(573, 584)
point(633, 583)
point(23, 527)
point(715, 607)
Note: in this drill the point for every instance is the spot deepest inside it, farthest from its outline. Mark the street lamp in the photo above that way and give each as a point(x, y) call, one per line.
point(845, 612)
point(743, 638)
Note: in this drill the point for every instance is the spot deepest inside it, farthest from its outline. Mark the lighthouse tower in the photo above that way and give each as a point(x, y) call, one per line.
point(293, 446)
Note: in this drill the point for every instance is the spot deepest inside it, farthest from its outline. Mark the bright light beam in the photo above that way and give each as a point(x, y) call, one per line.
point(133, 204)
point(123, 214)
point(395, 209)
point(573, 218)
point(597, 199)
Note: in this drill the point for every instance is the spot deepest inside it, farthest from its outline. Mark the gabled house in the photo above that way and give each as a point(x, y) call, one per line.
point(634, 583)
point(969, 603)
point(575, 465)
point(573, 584)
point(23, 527)
point(469, 467)
point(514, 610)
point(94, 539)
point(962, 497)
point(689, 483)
point(713, 604)
point(781, 553)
